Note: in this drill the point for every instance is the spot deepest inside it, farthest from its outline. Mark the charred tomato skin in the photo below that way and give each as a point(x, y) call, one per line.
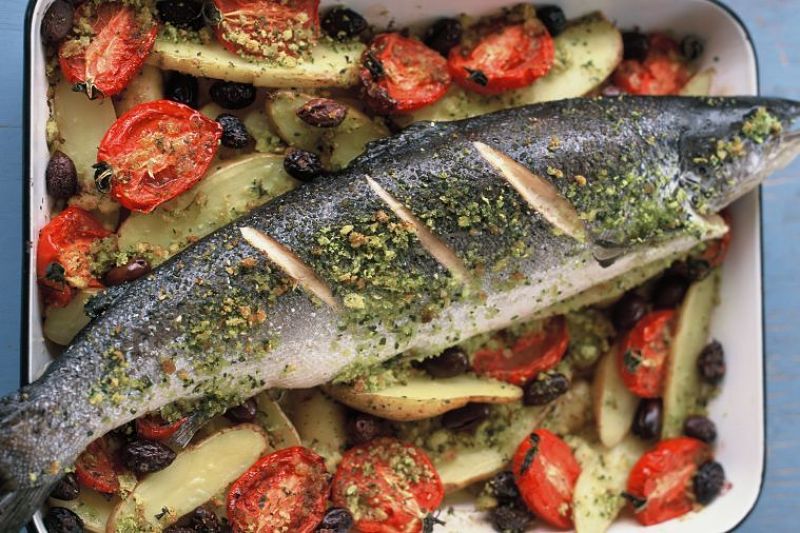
point(642, 356)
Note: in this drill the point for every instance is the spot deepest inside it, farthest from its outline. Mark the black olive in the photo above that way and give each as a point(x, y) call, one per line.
point(322, 113)
point(510, 518)
point(183, 88)
point(708, 482)
point(443, 35)
point(234, 134)
point(373, 65)
point(245, 412)
point(701, 428)
point(144, 457)
point(132, 270)
point(186, 14)
point(635, 45)
point(647, 421)
point(711, 363)
point(628, 311)
point(205, 521)
point(450, 363)
point(503, 487)
point(57, 21)
point(336, 520)
point(669, 292)
point(232, 95)
point(302, 164)
point(67, 488)
point(363, 427)
point(465, 418)
point(61, 178)
point(553, 18)
point(691, 47)
point(343, 23)
point(545, 390)
point(61, 520)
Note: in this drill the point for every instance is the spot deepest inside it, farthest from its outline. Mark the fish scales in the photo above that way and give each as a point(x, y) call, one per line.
point(221, 321)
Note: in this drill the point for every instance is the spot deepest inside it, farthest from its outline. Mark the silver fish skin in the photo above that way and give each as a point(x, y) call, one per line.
point(439, 233)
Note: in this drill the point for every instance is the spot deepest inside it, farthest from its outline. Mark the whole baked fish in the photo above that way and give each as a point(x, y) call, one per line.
point(432, 236)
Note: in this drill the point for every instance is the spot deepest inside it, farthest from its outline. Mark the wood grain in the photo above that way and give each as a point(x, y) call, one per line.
point(773, 24)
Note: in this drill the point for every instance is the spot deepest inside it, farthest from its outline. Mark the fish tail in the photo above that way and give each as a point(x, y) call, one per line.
point(17, 507)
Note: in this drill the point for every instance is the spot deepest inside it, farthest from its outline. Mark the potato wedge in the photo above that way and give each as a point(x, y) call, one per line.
point(280, 430)
point(229, 190)
point(61, 324)
point(146, 86)
point(597, 498)
point(682, 385)
point(699, 84)
point(194, 477)
point(470, 466)
point(320, 422)
point(614, 405)
point(423, 397)
point(338, 146)
point(92, 507)
point(328, 66)
point(587, 53)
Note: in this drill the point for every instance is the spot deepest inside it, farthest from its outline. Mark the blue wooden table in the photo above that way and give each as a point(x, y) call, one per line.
point(773, 24)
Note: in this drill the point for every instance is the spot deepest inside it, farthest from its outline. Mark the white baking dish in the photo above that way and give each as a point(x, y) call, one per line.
point(739, 410)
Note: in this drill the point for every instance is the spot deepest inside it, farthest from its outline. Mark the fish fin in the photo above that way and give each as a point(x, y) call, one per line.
point(17, 507)
point(187, 430)
point(607, 254)
point(101, 301)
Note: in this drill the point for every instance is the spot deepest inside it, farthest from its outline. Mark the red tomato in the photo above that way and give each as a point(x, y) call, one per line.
point(662, 72)
point(660, 483)
point(546, 472)
point(284, 491)
point(119, 43)
point(267, 28)
point(401, 74)
point(509, 58)
point(95, 468)
point(642, 357)
point(530, 355)
point(156, 151)
point(389, 486)
point(153, 427)
point(62, 254)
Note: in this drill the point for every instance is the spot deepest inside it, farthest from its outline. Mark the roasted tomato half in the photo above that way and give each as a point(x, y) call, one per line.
point(153, 427)
point(62, 255)
point(546, 472)
point(154, 152)
point(643, 355)
point(267, 28)
point(388, 486)
point(508, 57)
point(284, 491)
point(529, 355)
point(106, 54)
point(662, 72)
point(96, 468)
point(400, 74)
point(660, 483)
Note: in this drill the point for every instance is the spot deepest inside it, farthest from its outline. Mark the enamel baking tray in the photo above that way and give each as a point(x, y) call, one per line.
point(738, 411)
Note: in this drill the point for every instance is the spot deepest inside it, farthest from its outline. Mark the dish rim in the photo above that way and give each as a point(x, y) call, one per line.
point(35, 525)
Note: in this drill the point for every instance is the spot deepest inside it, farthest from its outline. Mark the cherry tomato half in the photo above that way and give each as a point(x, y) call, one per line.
point(389, 486)
point(267, 28)
point(546, 472)
point(154, 152)
point(659, 485)
point(96, 469)
point(62, 254)
point(662, 72)
point(642, 357)
point(120, 41)
point(509, 58)
point(284, 491)
point(401, 74)
point(153, 427)
point(530, 355)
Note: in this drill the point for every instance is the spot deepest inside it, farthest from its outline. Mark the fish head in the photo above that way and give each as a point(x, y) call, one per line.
point(737, 145)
